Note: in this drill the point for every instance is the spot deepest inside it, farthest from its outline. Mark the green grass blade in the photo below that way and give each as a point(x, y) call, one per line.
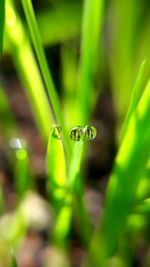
point(68, 78)
point(75, 165)
point(129, 166)
point(2, 19)
point(23, 57)
point(91, 28)
point(75, 185)
point(123, 17)
point(56, 167)
point(31, 19)
point(63, 220)
point(137, 91)
point(22, 177)
point(56, 185)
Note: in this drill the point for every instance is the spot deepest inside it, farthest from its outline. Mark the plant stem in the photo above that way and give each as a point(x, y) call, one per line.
point(31, 19)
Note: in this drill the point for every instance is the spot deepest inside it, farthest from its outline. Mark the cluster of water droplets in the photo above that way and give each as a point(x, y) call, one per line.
point(79, 133)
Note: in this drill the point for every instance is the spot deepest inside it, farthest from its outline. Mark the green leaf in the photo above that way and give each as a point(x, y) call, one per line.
point(33, 27)
point(22, 55)
point(56, 167)
point(129, 166)
point(91, 28)
point(137, 91)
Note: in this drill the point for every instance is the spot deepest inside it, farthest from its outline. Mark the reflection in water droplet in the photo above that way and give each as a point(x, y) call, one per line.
point(79, 133)
point(76, 133)
point(89, 132)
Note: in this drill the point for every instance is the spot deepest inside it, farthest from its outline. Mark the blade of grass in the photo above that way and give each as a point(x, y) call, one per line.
point(91, 28)
point(137, 91)
point(2, 19)
point(75, 185)
point(31, 19)
point(122, 187)
point(63, 222)
point(22, 177)
point(123, 17)
point(56, 184)
point(26, 66)
point(68, 77)
point(56, 167)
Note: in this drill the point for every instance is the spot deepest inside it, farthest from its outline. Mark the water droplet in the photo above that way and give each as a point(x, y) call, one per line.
point(56, 131)
point(89, 132)
point(76, 133)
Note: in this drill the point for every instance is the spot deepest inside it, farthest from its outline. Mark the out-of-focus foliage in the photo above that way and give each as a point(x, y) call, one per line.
point(79, 62)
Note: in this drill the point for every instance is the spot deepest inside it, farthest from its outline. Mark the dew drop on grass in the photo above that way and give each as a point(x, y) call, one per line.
point(77, 134)
point(56, 131)
point(89, 132)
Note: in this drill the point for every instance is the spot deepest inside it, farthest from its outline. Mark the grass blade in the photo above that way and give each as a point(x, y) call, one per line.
point(127, 172)
point(2, 19)
point(56, 184)
point(123, 184)
point(56, 167)
point(29, 12)
point(22, 178)
point(19, 46)
point(91, 28)
point(137, 91)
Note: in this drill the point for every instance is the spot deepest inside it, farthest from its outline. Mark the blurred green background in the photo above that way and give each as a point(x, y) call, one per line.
point(98, 54)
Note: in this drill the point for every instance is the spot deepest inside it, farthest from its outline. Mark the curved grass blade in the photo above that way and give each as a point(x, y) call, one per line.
point(23, 57)
point(121, 191)
point(2, 19)
point(91, 28)
point(124, 181)
point(31, 19)
point(137, 91)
